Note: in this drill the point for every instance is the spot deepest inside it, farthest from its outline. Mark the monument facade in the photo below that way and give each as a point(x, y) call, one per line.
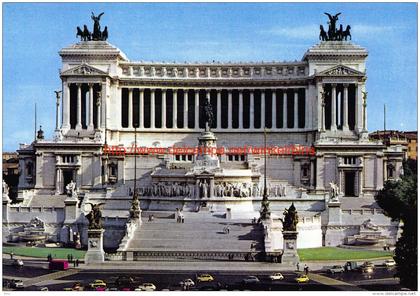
point(313, 111)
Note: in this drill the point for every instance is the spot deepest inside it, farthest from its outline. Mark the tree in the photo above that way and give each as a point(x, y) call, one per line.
point(398, 199)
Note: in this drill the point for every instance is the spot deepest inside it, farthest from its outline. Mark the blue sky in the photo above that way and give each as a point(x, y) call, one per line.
point(33, 33)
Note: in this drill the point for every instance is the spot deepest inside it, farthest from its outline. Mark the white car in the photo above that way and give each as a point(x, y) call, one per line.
point(251, 280)
point(276, 276)
point(336, 269)
point(146, 287)
point(17, 262)
point(187, 283)
point(390, 263)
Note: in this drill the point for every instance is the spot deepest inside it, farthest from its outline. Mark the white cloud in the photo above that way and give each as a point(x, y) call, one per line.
point(364, 30)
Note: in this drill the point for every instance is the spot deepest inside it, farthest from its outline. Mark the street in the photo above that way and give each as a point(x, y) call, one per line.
point(380, 279)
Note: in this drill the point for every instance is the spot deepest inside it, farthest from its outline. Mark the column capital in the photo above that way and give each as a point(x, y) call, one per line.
point(240, 90)
point(346, 85)
point(163, 90)
point(152, 89)
point(229, 90)
point(130, 90)
point(196, 91)
point(219, 90)
point(334, 84)
point(91, 84)
point(78, 84)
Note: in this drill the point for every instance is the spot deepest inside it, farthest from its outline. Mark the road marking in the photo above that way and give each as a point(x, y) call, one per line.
point(344, 286)
point(50, 276)
point(376, 280)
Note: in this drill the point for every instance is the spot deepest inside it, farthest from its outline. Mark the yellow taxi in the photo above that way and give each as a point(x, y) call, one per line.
point(205, 277)
point(303, 278)
point(97, 284)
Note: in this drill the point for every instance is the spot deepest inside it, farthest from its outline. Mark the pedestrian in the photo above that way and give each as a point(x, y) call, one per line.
point(68, 258)
point(306, 269)
point(74, 263)
point(77, 262)
point(11, 255)
point(297, 266)
point(71, 257)
point(227, 229)
point(182, 219)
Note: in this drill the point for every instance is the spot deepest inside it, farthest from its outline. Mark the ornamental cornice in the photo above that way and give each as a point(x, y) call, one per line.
point(340, 71)
point(185, 83)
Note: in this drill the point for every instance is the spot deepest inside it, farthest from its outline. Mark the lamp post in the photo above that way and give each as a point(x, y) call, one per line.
point(265, 204)
point(135, 203)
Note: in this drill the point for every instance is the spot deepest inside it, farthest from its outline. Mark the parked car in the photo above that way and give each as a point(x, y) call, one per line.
point(276, 276)
point(17, 262)
point(146, 287)
point(251, 280)
point(187, 283)
point(16, 284)
point(303, 278)
point(124, 281)
point(77, 287)
point(390, 263)
point(97, 283)
point(368, 264)
point(336, 269)
point(366, 269)
point(205, 278)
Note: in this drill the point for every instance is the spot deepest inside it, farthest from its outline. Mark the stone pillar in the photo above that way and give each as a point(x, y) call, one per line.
point(95, 252)
point(90, 126)
point(185, 108)
point(98, 111)
point(163, 108)
point(66, 106)
point(229, 109)
point(320, 171)
point(312, 175)
point(358, 107)
point(346, 108)
point(152, 108)
point(79, 106)
point(57, 180)
point(273, 109)
point(333, 108)
point(141, 107)
point(296, 111)
point(308, 110)
point(130, 108)
point(211, 187)
point(175, 108)
point(241, 109)
point(285, 108)
point(196, 107)
point(219, 109)
point(290, 255)
point(251, 109)
point(262, 108)
point(103, 95)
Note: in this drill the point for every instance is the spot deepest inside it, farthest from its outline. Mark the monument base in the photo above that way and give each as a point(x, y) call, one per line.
point(95, 252)
point(290, 255)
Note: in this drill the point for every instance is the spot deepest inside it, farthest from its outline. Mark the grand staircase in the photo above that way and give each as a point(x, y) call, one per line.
point(201, 236)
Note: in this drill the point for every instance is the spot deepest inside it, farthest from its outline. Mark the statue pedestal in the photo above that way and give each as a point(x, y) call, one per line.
point(95, 252)
point(207, 150)
point(290, 255)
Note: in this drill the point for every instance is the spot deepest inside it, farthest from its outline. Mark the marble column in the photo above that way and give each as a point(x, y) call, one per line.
point(333, 108)
point(273, 109)
point(152, 108)
point(185, 125)
point(339, 98)
point(262, 109)
point(66, 106)
point(219, 109)
point(79, 106)
point(296, 111)
point(141, 107)
point(241, 109)
point(90, 126)
point(251, 109)
point(196, 109)
point(359, 108)
point(175, 108)
point(284, 108)
point(163, 108)
point(229, 109)
point(57, 181)
point(346, 108)
point(98, 111)
point(308, 109)
point(130, 108)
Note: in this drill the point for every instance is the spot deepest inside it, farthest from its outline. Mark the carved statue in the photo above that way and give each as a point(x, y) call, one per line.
point(346, 33)
point(208, 114)
point(369, 225)
point(97, 34)
point(87, 36)
point(334, 191)
point(71, 189)
point(322, 34)
point(291, 219)
point(333, 20)
point(105, 34)
point(94, 217)
point(5, 189)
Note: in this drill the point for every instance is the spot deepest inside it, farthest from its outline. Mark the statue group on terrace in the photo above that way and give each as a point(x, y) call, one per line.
point(334, 34)
point(97, 34)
